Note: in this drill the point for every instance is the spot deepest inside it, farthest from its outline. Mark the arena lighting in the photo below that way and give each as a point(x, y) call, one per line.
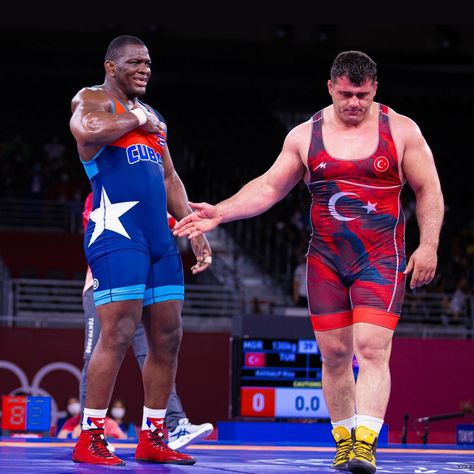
point(446, 38)
point(283, 32)
point(323, 34)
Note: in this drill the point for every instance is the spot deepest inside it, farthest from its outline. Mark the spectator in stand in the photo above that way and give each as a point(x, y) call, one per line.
point(457, 305)
point(54, 151)
point(73, 408)
point(118, 412)
point(72, 429)
point(36, 181)
point(64, 189)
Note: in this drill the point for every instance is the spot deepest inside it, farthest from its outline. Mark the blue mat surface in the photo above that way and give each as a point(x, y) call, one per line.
point(50, 456)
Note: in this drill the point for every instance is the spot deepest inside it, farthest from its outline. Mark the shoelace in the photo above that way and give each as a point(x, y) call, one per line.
point(158, 437)
point(99, 446)
point(364, 450)
point(343, 449)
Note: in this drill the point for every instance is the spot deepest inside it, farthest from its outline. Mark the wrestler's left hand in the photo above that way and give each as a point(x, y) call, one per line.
point(203, 253)
point(423, 263)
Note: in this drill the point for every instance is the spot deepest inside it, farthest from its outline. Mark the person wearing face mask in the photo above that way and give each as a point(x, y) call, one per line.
point(72, 429)
point(118, 411)
point(73, 408)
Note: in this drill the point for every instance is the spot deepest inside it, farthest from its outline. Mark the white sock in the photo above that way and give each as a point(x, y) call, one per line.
point(348, 423)
point(93, 419)
point(371, 422)
point(153, 419)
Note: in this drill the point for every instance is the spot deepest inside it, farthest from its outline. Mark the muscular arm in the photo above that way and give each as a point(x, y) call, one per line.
point(420, 171)
point(94, 124)
point(263, 192)
point(178, 207)
point(256, 196)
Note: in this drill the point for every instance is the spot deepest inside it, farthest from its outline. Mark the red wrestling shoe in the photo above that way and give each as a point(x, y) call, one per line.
point(91, 448)
point(152, 448)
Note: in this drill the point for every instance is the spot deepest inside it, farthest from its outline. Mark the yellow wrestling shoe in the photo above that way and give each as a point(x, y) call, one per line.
point(344, 451)
point(365, 445)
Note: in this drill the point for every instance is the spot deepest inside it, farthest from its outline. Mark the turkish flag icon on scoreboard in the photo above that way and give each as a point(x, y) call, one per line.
point(257, 401)
point(255, 359)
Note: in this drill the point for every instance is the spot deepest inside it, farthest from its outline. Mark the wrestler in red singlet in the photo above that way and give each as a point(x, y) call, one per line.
point(356, 256)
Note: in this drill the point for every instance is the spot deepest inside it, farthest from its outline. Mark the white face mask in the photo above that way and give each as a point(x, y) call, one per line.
point(118, 413)
point(74, 408)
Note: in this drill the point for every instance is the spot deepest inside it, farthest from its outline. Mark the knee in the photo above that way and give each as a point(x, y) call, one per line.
point(117, 339)
point(337, 356)
point(172, 340)
point(167, 344)
point(370, 351)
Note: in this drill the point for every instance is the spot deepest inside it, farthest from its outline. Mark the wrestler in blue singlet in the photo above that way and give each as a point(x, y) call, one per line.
point(128, 243)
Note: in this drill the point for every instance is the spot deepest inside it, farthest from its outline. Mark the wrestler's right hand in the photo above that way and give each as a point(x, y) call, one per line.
point(152, 124)
point(204, 218)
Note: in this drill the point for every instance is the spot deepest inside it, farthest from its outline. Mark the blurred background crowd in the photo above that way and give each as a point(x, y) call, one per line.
point(229, 105)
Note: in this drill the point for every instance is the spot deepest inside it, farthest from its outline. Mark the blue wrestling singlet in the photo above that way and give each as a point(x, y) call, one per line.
point(128, 244)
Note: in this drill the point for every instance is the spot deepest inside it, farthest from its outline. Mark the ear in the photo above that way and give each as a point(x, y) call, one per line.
point(375, 87)
point(330, 86)
point(109, 67)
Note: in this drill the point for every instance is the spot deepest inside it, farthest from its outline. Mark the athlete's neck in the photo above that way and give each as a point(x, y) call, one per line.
point(119, 94)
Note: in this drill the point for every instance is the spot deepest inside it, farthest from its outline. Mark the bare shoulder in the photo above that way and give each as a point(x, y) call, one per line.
point(91, 96)
point(403, 127)
point(300, 134)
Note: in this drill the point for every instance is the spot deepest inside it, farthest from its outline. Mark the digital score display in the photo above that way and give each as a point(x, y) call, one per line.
point(277, 378)
point(26, 413)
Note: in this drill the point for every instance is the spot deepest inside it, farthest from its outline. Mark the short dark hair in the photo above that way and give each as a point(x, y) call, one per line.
point(118, 43)
point(355, 65)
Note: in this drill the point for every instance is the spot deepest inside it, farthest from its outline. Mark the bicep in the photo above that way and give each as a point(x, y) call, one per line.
point(418, 163)
point(77, 124)
point(87, 108)
point(287, 170)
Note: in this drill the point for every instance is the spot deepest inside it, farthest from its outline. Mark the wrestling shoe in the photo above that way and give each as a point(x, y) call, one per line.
point(186, 433)
point(152, 447)
point(91, 448)
point(344, 448)
point(365, 445)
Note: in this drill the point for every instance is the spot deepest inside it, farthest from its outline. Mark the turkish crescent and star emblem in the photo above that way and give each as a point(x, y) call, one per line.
point(381, 163)
point(370, 207)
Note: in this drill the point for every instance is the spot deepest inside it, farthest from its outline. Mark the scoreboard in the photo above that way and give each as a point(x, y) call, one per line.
point(276, 369)
point(26, 413)
point(277, 378)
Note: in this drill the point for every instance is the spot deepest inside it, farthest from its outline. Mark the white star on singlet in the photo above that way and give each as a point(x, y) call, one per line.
point(370, 207)
point(106, 216)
